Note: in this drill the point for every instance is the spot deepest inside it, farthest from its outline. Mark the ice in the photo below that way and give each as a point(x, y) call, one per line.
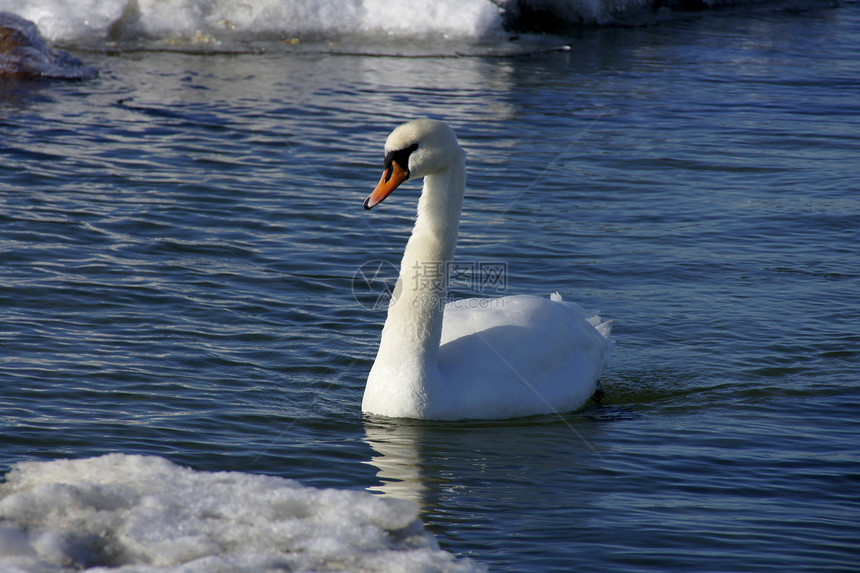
point(92, 21)
point(205, 25)
point(128, 513)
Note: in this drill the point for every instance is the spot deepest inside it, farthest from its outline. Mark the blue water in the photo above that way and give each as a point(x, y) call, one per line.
point(180, 239)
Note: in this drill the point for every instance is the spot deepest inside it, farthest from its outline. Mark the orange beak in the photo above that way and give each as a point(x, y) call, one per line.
point(393, 176)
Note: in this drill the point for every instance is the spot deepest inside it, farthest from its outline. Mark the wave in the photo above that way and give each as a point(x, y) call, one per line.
point(166, 24)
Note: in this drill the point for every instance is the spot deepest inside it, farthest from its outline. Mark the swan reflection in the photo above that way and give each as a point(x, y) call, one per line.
point(397, 460)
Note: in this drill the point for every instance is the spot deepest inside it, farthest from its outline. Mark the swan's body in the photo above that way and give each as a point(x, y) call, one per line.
point(475, 358)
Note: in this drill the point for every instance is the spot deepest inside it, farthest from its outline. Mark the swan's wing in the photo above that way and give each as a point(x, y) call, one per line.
point(525, 347)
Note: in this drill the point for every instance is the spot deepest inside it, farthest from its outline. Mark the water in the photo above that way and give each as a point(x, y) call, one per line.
point(180, 239)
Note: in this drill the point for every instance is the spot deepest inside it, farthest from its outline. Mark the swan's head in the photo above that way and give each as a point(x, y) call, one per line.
point(413, 150)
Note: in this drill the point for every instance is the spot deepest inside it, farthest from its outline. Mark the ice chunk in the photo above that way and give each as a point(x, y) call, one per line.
point(145, 514)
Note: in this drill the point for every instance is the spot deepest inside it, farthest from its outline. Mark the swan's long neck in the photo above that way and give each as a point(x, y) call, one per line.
point(413, 329)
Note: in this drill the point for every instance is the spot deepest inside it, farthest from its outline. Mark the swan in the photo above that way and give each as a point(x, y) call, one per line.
point(479, 358)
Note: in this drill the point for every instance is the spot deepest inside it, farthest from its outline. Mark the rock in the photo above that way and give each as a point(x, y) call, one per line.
point(25, 54)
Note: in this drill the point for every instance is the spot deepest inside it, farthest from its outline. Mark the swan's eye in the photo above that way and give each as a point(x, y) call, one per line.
point(401, 157)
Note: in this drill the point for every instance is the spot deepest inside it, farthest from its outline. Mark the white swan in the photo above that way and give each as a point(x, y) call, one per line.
point(474, 358)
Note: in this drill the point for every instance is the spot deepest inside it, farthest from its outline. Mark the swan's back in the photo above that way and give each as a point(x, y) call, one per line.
point(518, 355)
